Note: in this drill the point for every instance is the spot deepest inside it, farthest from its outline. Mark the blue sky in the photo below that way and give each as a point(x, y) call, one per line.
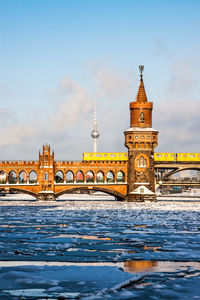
point(58, 57)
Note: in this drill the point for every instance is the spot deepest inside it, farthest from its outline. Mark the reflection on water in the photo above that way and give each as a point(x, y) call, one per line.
point(133, 266)
point(140, 226)
point(130, 266)
point(151, 247)
point(84, 237)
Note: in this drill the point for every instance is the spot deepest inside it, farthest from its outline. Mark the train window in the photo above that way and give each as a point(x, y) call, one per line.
point(112, 155)
point(192, 155)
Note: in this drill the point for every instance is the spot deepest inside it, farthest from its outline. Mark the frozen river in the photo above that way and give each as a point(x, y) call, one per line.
point(99, 249)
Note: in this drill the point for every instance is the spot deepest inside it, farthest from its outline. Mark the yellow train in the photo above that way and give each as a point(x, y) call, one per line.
point(115, 156)
point(187, 156)
point(123, 156)
point(164, 156)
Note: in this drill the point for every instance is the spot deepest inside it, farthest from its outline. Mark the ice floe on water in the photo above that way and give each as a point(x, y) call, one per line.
point(98, 249)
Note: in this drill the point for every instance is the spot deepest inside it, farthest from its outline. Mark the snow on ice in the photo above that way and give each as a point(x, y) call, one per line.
point(98, 249)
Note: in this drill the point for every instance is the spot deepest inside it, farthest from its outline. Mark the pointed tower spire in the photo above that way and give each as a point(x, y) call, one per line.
point(141, 109)
point(141, 95)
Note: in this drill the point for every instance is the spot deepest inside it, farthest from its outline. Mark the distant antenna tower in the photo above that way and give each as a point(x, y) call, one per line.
point(95, 133)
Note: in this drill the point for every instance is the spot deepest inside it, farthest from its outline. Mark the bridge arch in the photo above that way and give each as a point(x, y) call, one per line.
point(24, 191)
point(3, 177)
point(179, 170)
point(59, 176)
point(22, 177)
point(108, 191)
point(100, 176)
point(80, 177)
point(89, 176)
point(175, 172)
point(33, 176)
point(12, 177)
point(120, 176)
point(110, 176)
point(69, 175)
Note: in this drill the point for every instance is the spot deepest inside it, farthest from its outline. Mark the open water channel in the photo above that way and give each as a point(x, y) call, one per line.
point(99, 249)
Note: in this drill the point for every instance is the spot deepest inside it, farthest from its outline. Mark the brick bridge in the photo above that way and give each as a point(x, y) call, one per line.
point(48, 179)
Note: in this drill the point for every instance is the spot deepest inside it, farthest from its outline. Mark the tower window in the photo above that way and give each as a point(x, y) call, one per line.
point(46, 176)
point(141, 162)
point(141, 118)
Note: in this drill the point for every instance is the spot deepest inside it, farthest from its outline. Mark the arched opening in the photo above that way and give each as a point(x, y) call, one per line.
point(22, 177)
point(89, 177)
point(59, 178)
point(120, 176)
point(12, 177)
point(46, 176)
point(141, 162)
point(83, 189)
point(110, 177)
point(32, 177)
point(180, 181)
point(69, 177)
point(141, 118)
point(79, 177)
point(2, 177)
point(100, 177)
point(184, 176)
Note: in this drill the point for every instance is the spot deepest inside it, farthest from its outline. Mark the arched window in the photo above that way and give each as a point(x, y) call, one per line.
point(22, 177)
point(89, 176)
point(120, 176)
point(69, 177)
point(2, 177)
point(59, 178)
point(141, 162)
point(32, 177)
point(110, 177)
point(12, 177)
point(46, 176)
point(79, 177)
point(100, 176)
point(138, 162)
point(141, 118)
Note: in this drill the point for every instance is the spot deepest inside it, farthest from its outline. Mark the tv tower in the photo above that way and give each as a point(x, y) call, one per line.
point(95, 133)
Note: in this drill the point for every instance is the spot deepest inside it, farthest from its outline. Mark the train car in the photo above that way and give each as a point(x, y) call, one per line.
point(164, 156)
point(187, 156)
point(113, 156)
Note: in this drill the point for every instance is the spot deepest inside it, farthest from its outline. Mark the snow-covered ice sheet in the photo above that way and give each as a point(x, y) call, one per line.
point(126, 241)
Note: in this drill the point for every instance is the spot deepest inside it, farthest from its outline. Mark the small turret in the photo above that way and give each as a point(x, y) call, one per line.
point(141, 109)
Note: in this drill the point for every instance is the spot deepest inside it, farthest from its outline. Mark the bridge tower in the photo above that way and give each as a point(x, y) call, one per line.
point(46, 174)
point(141, 139)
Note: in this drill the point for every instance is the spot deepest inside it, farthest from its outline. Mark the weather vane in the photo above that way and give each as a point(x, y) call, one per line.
point(141, 68)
